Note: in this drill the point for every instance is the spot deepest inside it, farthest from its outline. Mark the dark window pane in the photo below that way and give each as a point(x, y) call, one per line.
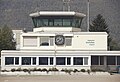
point(16, 60)
point(68, 41)
point(68, 61)
point(50, 22)
point(34, 60)
point(60, 61)
point(51, 60)
point(95, 60)
point(26, 60)
point(57, 22)
point(44, 41)
point(66, 22)
point(78, 61)
point(9, 60)
point(44, 22)
point(101, 60)
point(34, 22)
point(118, 60)
point(44, 44)
point(110, 60)
point(43, 60)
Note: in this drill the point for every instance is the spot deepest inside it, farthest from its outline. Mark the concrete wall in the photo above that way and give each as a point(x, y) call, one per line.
point(82, 41)
point(90, 42)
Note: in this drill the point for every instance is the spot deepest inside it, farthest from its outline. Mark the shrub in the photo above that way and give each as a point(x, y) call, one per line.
point(44, 69)
point(38, 69)
point(19, 69)
point(88, 71)
point(5, 70)
point(25, 70)
point(63, 70)
point(13, 70)
point(53, 69)
point(67, 71)
point(75, 70)
point(97, 70)
point(82, 70)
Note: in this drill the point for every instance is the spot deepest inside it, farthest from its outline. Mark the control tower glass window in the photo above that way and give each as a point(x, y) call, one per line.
point(57, 21)
point(67, 22)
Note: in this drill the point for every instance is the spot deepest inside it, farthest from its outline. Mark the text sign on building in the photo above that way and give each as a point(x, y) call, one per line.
point(90, 42)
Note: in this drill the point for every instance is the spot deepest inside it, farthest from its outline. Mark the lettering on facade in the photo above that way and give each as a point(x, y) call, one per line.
point(90, 42)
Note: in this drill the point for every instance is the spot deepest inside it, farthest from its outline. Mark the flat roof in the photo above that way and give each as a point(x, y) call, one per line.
point(57, 13)
point(64, 33)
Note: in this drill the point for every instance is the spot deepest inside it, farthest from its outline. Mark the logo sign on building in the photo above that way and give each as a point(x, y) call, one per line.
point(59, 40)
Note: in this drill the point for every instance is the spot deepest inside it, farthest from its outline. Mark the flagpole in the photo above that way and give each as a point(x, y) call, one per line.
point(88, 15)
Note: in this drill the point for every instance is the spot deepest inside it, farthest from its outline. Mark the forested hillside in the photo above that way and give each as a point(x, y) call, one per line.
point(15, 13)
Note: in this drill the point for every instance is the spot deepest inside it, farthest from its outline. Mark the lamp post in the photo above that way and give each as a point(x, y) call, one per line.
point(88, 15)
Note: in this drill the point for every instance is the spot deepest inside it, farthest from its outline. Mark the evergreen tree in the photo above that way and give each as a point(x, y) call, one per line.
point(99, 25)
point(6, 39)
point(0, 39)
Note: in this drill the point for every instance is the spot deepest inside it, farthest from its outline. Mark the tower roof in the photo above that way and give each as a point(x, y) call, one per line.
point(57, 13)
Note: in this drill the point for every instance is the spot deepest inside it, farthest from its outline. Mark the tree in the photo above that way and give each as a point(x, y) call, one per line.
point(99, 25)
point(7, 41)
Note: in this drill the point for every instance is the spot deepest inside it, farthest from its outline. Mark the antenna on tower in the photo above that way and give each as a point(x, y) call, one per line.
point(66, 5)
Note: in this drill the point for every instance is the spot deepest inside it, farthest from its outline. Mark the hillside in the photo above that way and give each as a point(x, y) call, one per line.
point(15, 13)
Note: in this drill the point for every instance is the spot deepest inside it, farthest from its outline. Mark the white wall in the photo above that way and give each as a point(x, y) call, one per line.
point(56, 29)
point(90, 42)
point(82, 41)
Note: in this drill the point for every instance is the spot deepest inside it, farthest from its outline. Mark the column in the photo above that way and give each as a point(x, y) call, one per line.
point(38, 41)
point(20, 61)
point(105, 60)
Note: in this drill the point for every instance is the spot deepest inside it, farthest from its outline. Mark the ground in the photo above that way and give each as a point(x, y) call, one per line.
point(61, 78)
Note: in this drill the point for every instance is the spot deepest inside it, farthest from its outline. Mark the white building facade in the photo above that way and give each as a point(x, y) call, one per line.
point(57, 41)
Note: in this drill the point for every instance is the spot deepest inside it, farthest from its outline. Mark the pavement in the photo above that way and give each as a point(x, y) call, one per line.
point(61, 78)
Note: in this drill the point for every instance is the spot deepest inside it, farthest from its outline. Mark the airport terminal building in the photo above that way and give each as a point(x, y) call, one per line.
point(57, 41)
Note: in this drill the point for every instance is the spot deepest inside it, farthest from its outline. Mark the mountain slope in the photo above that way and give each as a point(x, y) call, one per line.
point(15, 13)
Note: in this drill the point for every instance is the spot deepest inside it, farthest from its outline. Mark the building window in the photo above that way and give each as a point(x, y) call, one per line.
point(33, 60)
point(101, 60)
point(95, 60)
point(60, 60)
point(77, 23)
point(50, 22)
point(44, 22)
point(85, 60)
point(51, 60)
point(66, 22)
point(111, 60)
point(16, 60)
point(9, 60)
point(118, 60)
point(26, 60)
point(44, 41)
point(77, 61)
point(57, 22)
point(43, 60)
point(68, 61)
point(51, 41)
point(68, 41)
point(29, 41)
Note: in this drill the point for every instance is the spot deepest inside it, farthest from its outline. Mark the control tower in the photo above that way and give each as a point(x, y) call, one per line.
point(64, 21)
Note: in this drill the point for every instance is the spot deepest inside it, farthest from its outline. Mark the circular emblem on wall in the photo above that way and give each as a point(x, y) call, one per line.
point(59, 40)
